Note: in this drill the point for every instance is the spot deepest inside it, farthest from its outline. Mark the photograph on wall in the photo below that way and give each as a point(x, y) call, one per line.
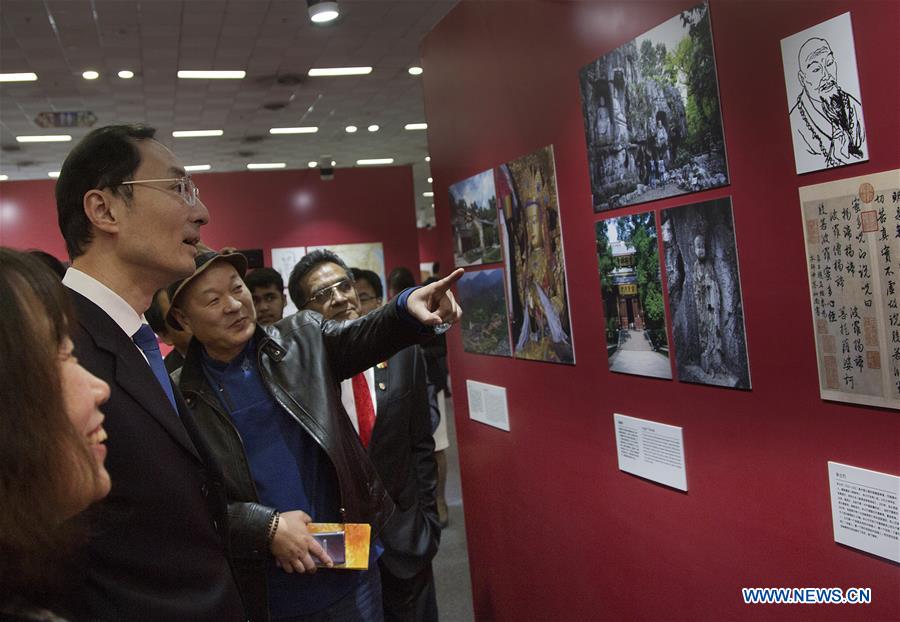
point(628, 262)
point(852, 233)
point(651, 115)
point(704, 288)
point(484, 325)
point(284, 260)
point(473, 214)
point(824, 101)
point(368, 256)
point(535, 264)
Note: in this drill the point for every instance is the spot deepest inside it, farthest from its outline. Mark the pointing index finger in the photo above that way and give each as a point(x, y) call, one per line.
point(445, 283)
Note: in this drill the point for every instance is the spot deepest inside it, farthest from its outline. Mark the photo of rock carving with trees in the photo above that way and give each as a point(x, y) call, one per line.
point(651, 114)
point(704, 289)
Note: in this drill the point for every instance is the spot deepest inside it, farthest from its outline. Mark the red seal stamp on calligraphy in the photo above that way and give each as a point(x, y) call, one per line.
point(869, 221)
point(812, 231)
point(873, 359)
point(870, 332)
point(831, 372)
point(866, 192)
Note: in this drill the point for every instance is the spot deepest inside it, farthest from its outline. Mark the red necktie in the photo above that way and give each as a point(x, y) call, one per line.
point(365, 410)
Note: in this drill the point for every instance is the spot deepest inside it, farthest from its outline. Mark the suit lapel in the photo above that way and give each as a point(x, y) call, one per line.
point(132, 373)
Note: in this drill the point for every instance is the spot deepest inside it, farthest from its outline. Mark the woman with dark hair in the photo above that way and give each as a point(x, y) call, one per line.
point(51, 437)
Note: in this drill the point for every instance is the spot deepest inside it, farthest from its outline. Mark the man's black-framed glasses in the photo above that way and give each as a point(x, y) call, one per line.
point(184, 186)
point(326, 294)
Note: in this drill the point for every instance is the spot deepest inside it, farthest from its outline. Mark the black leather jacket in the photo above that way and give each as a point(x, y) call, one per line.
point(301, 360)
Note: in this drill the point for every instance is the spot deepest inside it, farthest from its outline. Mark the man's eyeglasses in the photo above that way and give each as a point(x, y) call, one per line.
point(184, 186)
point(326, 294)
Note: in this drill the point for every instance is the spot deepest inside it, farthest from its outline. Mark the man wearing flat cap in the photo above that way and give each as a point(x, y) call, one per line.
point(268, 403)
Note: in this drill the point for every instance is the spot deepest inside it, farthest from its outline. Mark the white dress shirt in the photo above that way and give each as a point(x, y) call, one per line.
point(348, 400)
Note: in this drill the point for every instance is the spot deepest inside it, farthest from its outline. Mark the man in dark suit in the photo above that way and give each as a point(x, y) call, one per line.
point(395, 428)
point(130, 216)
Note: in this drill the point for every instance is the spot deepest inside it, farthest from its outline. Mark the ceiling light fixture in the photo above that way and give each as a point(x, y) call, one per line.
point(428, 194)
point(18, 77)
point(4, 177)
point(211, 75)
point(375, 161)
point(428, 158)
point(47, 138)
point(373, 128)
point(351, 129)
point(322, 11)
point(260, 166)
point(429, 180)
point(294, 130)
point(339, 71)
point(415, 126)
point(53, 174)
point(90, 75)
point(198, 167)
point(125, 74)
point(196, 133)
point(312, 164)
point(415, 71)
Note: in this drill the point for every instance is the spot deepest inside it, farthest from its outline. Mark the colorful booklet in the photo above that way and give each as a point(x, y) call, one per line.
point(346, 543)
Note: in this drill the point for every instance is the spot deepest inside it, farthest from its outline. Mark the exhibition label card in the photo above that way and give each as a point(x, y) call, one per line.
point(651, 450)
point(865, 510)
point(487, 404)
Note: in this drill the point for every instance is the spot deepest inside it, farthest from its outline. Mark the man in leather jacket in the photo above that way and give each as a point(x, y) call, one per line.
point(267, 402)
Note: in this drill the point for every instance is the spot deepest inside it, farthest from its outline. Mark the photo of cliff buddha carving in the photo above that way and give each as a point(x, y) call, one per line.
point(535, 262)
point(827, 127)
point(704, 289)
point(651, 115)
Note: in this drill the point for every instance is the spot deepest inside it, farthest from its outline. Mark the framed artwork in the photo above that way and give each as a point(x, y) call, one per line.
point(473, 214)
point(824, 102)
point(534, 258)
point(651, 115)
point(484, 325)
point(852, 233)
point(630, 281)
point(704, 293)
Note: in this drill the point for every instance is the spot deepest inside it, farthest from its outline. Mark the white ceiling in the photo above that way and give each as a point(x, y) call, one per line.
point(272, 40)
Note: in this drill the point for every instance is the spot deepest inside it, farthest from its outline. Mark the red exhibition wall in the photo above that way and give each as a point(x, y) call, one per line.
point(265, 210)
point(555, 530)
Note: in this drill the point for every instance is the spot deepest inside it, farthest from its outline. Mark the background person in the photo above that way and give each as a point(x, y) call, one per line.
point(177, 338)
point(267, 288)
point(51, 435)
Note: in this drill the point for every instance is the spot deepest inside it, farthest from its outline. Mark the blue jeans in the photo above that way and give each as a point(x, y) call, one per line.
point(361, 605)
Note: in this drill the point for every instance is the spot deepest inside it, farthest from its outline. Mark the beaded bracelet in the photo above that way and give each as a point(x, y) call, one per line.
point(273, 527)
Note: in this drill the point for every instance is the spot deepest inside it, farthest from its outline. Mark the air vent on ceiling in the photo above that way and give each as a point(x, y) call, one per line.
point(246, 154)
point(253, 138)
point(290, 79)
point(25, 163)
point(11, 148)
point(275, 105)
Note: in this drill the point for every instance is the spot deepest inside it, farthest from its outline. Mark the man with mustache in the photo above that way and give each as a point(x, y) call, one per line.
point(826, 118)
point(267, 402)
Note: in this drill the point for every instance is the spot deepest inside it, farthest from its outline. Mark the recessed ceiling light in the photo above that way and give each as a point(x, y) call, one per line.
point(415, 71)
point(18, 77)
point(322, 11)
point(415, 126)
point(294, 130)
point(196, 133)
point(90, 75)
point(255, 166)
point(4, 177)
point(375, 161)
point(333, 163)
point(312, 164)
point(373, 128)
point(53, 174)
point(429, 180)
point(47, 138)
point(211, 75)
point(428, 194)
point(339, 71)
point(126, 74)
point(351, 129)
point(197, 167)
